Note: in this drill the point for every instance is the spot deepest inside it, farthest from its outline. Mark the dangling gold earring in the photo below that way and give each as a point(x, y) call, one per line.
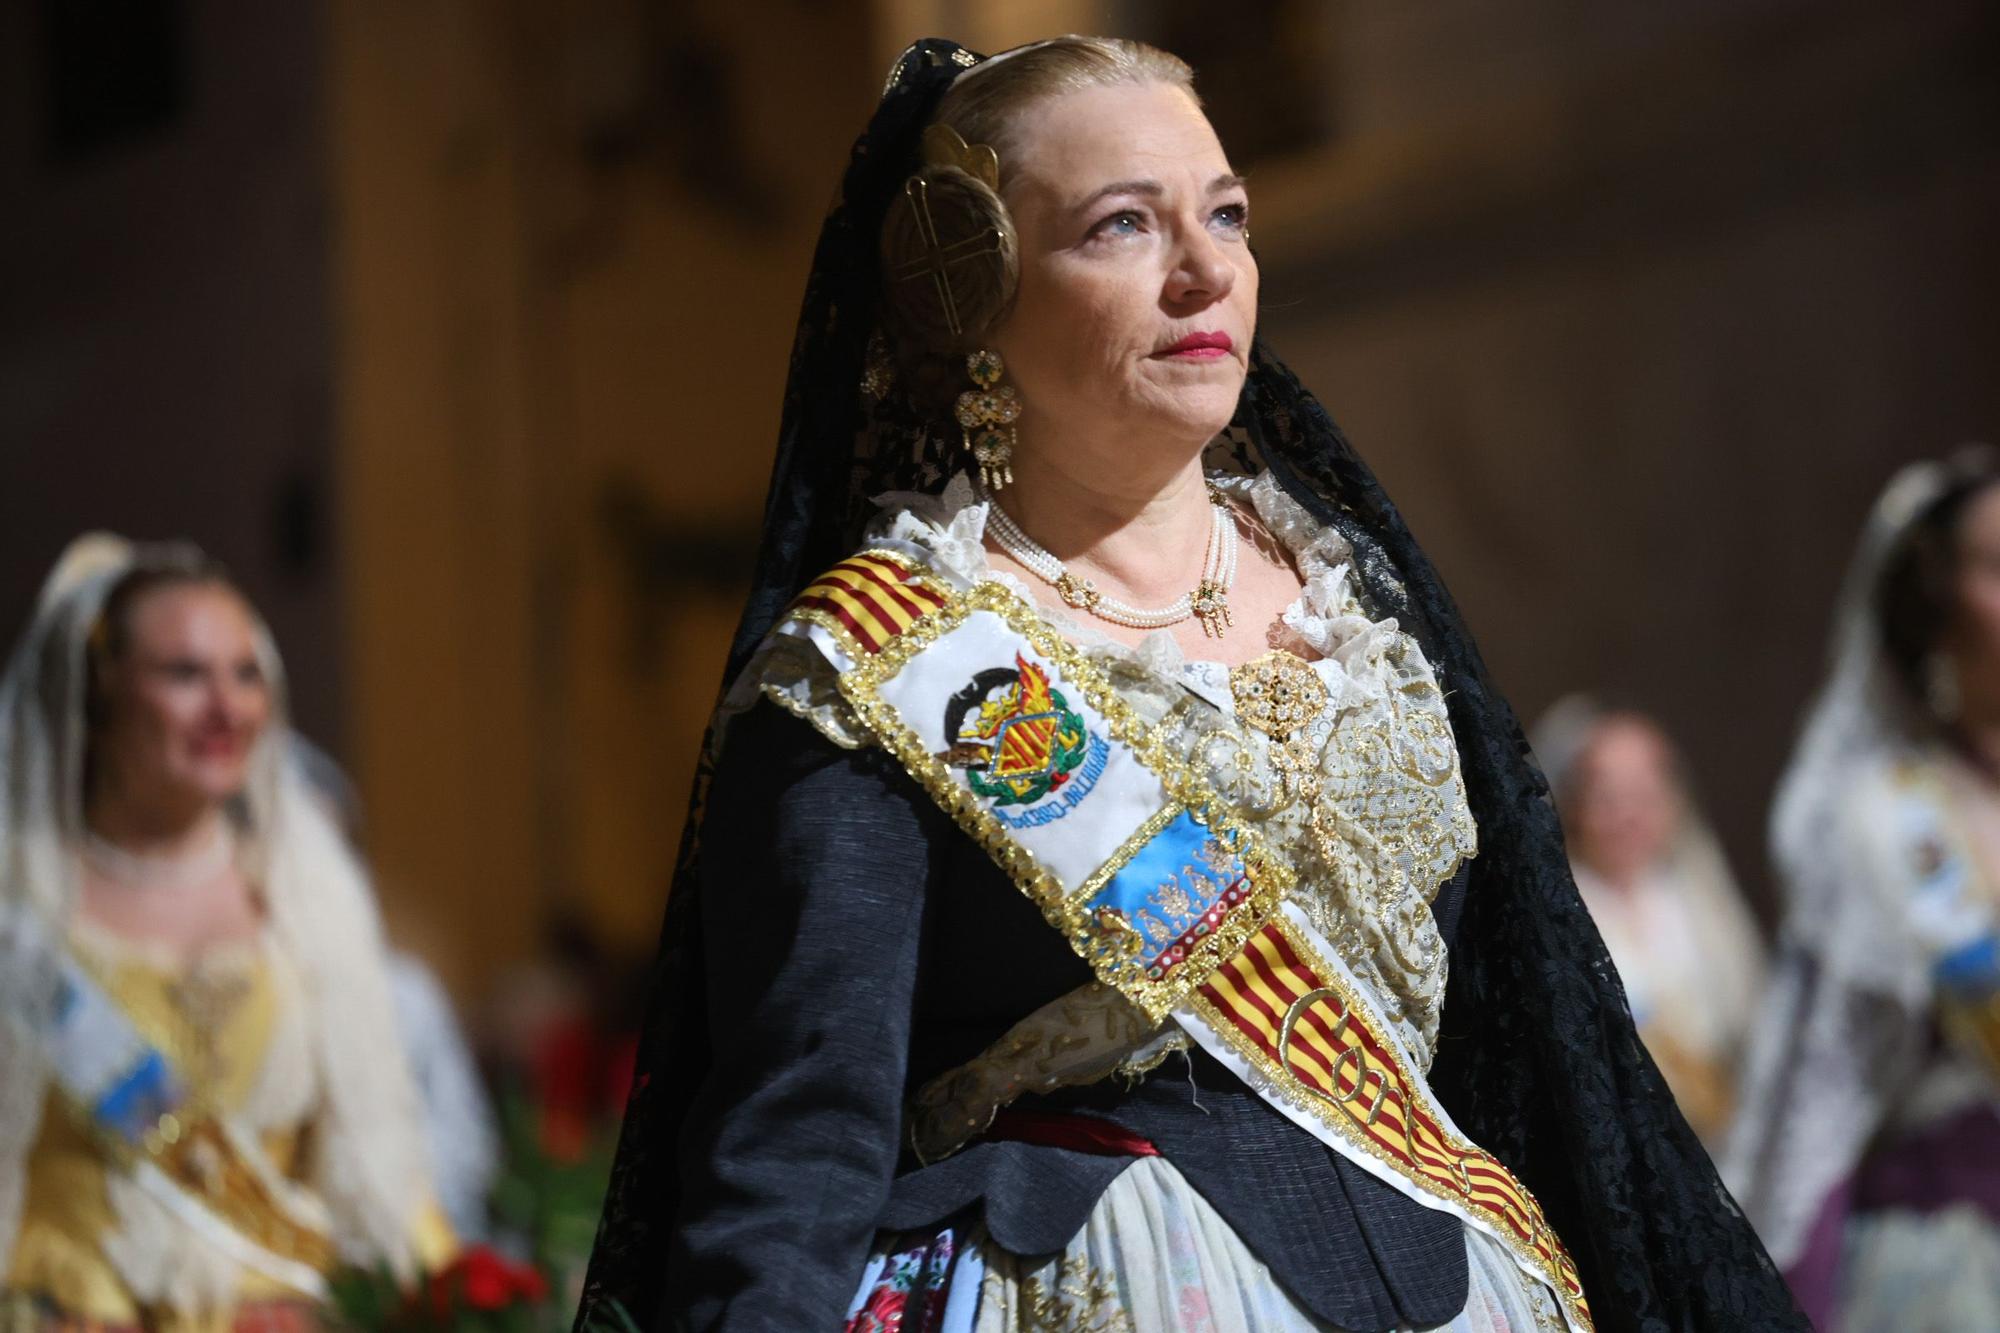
point(988, 413)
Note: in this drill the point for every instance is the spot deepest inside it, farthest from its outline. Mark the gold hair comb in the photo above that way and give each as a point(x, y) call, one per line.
point(944, 148)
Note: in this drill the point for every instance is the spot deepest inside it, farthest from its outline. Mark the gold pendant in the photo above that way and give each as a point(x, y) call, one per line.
point(1281, 695)
point(1211, 607)
point(1079, 593)
point(1278, 693)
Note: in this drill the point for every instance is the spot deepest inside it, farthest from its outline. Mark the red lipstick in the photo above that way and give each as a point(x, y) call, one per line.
point(218, 743)
point(1199, 347)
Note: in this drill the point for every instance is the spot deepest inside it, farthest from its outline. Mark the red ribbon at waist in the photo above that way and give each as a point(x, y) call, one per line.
point(1060, 1129)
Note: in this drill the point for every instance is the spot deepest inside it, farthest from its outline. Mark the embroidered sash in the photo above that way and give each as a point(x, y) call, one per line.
point(1156, 884)
point(211, 1176)
point(1950, 908)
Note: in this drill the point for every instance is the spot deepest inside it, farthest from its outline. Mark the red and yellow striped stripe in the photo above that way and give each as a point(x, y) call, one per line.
point(1298, 1023)
point(873, 596)
point(1026, 747)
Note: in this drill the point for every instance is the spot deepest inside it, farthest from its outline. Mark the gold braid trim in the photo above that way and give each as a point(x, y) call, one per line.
point(1200, 983)
point(1111, 949)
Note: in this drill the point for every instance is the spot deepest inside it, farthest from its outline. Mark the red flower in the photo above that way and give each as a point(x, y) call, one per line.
point(482, 1279)
point(620, 1061)
point(882, 1314)
point(566, 1067)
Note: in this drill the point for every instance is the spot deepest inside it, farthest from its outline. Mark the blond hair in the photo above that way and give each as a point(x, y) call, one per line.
point(984, 106)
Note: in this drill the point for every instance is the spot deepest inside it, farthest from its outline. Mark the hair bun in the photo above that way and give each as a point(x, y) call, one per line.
point(948, 255)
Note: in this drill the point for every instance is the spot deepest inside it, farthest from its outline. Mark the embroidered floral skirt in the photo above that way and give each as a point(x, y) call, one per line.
point(1153, 1257)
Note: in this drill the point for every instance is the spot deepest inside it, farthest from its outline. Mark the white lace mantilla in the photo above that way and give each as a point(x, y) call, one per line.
point(1388, 825)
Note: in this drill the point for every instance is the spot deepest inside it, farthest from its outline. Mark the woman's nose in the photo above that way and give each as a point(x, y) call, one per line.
point(1202, 273)
point(229, 700)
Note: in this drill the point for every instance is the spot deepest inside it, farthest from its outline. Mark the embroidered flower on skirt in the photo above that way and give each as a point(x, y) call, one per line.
point(908, 1289)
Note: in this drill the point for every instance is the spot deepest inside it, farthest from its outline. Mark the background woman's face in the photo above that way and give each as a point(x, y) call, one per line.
point(1132, 237)
point(186, 702)
point(1624, 804)
point(1975, 632)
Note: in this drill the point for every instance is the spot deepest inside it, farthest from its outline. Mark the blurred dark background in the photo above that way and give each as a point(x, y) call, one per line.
point(458, 328)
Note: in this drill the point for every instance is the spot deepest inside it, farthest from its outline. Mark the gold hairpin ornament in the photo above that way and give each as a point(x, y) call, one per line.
point(942, 147)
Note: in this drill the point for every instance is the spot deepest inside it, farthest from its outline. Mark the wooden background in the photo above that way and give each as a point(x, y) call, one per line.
point(458, 329)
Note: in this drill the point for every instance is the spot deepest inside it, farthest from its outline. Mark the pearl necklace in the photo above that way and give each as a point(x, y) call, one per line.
point(1208, 603)
point(162, 873)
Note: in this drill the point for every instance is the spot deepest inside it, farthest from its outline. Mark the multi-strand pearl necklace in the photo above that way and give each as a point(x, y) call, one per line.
point(1208, 603)
point(164, 873)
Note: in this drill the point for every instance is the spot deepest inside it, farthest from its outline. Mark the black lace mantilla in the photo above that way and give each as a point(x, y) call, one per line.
point(1538, 1059)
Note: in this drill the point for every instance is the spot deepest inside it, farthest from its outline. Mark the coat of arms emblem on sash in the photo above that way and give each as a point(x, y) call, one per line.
point(1018, 740)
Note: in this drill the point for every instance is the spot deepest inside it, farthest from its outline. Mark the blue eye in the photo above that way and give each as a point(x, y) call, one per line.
point(1234, 216)
point(1126, 223)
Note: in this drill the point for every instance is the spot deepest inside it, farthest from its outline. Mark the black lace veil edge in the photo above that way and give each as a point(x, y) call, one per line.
point(1538, 1059)
point(809, 519)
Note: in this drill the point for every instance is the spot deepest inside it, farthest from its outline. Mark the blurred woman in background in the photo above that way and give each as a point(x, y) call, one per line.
point(204, 1108)
point(1868, 1149)
point(1654, 879)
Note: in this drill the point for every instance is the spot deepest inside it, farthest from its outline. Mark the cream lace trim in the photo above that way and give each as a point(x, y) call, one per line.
point(1390, 825)
point(1075, 1040)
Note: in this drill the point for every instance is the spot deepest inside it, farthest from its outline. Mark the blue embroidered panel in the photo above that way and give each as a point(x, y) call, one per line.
point(1972, 971)
point(1177, 882)
point(135, 1103)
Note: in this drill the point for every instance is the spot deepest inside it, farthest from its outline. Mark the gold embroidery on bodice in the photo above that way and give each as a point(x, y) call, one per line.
point(1363, 796)
point(218, 1019)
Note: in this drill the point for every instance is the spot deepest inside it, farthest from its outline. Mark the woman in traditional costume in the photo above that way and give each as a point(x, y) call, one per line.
point(1868, 1147)
point(204, 1108)
point(1063, 942)
point(1651, 872)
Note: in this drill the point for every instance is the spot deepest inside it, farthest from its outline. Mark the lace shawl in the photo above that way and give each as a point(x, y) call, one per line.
point(1391, 824)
